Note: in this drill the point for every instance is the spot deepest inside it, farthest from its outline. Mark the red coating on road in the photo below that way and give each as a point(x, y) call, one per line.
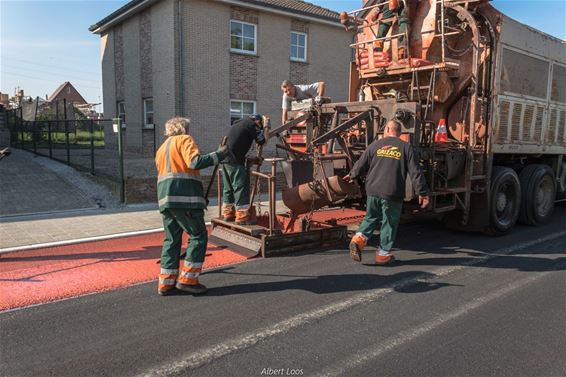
point(43, 275)
point(48, 274)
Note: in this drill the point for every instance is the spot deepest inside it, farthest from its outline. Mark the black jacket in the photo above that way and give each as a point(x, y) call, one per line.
point(387, 162)
point(240, 138)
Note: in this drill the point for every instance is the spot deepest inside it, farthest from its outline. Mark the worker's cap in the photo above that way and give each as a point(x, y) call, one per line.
point(256, 117)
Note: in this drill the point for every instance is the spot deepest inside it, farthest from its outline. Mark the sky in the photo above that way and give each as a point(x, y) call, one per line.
point(45, 43)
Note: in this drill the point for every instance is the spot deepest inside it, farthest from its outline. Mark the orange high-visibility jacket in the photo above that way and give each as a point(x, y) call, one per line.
point(178, 162)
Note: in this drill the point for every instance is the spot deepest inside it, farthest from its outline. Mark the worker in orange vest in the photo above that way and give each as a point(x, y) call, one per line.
point(181, 203)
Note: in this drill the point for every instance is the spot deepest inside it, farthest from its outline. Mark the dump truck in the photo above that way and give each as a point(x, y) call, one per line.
point(481, 98)
point(496, 87)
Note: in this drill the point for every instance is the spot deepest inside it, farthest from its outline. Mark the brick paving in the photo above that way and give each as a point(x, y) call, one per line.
point(27, 187)
point(39, 229)
point(42, 205)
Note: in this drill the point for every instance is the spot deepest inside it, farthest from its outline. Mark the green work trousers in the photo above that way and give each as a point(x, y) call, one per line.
point(382, 212)
point(236, 187)
point(175, 221)
point(401, 20)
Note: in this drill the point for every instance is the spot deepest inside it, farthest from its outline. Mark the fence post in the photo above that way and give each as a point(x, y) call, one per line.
point(117, 124)
point(20, 121)
point(49, 141)
point(67, 142)
point(14, 129)
point(34, 136)
point(92, 147)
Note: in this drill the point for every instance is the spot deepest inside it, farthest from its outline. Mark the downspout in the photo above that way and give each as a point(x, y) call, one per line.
point(181, 81)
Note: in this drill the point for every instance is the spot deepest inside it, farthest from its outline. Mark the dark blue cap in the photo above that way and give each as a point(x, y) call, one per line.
point(256, 117)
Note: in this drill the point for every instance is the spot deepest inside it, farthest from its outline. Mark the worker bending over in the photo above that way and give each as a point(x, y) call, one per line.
point(385, 164)
point(293, 92)
point(235, 179)
point(182, 203)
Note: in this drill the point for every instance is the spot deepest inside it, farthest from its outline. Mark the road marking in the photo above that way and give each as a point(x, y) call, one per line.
point(82, 240)
point(363, 356)
point(207, 355)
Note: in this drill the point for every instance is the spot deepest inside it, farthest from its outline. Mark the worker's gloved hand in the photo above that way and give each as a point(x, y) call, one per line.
point(223, 151)
point(348, 178)
point(254, 161)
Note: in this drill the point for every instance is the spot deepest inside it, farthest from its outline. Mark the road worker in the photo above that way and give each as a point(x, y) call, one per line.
point(389, 10)
point(182, 203)
point(385, 164)
point(235, 178)
point(293, 92)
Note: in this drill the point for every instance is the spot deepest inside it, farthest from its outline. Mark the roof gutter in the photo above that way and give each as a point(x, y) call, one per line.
point(267, 9)
point(99, 29)
point(119, 18)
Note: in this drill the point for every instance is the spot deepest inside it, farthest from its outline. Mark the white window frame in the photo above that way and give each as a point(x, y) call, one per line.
point(291, 47)
point(242, 107)
point(242, 51)
point(145, 113)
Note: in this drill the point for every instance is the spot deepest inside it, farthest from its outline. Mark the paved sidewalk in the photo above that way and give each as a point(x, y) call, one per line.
point(29, 187)
point(43, 201)
point(39, 229)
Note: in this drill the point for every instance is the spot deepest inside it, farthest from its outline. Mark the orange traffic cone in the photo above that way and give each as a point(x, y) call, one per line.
point(441, 135)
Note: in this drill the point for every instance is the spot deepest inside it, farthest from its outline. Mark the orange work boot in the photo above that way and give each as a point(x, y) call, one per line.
point(244, 217)
point(229, 213)
point(378, 45)
point(357, 244)
point(383, 260)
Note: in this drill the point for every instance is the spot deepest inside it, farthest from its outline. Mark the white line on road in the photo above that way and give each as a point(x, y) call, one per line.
point(82, 240)
point(207, 355)
point(363, 356)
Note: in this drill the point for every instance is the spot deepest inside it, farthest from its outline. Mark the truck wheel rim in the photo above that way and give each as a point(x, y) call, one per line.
point(504, 205)
point(543, 198)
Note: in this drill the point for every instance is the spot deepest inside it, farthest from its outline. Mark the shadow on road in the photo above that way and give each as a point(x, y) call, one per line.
point(325, 284)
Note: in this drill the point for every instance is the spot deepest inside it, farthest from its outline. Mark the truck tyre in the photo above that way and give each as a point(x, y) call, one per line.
point(504, 200)
point(539, 194)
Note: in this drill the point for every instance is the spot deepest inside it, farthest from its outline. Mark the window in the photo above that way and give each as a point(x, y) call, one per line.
point(298, 46)
point(524, 74)
point(121, 111)
point(558, 90)
point(148, 113)
point(240, 109)
point(242, 37)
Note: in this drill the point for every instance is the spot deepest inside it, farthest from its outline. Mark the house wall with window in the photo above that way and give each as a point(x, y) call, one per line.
point(231, 63)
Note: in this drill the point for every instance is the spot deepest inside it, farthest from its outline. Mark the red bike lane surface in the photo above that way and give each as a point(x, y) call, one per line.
point(48, 274)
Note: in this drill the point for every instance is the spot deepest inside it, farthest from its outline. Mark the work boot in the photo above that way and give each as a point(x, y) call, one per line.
point(166, 292)
point(245, 217)
point(196, 289)
point(229, 213)
point(383, 257)
point(357, 244)
point(378, 46)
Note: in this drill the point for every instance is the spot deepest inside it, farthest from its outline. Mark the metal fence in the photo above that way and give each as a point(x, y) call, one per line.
point(79, 143)
point(92, 146)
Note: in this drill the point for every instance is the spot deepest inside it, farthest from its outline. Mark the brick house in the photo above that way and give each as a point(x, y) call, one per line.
point(68, 92)
point(213, 61)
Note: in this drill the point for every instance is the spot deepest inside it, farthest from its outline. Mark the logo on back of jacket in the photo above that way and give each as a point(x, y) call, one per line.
point(389, 151)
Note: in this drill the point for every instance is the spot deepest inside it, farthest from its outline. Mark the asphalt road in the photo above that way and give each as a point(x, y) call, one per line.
point(455, 304)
